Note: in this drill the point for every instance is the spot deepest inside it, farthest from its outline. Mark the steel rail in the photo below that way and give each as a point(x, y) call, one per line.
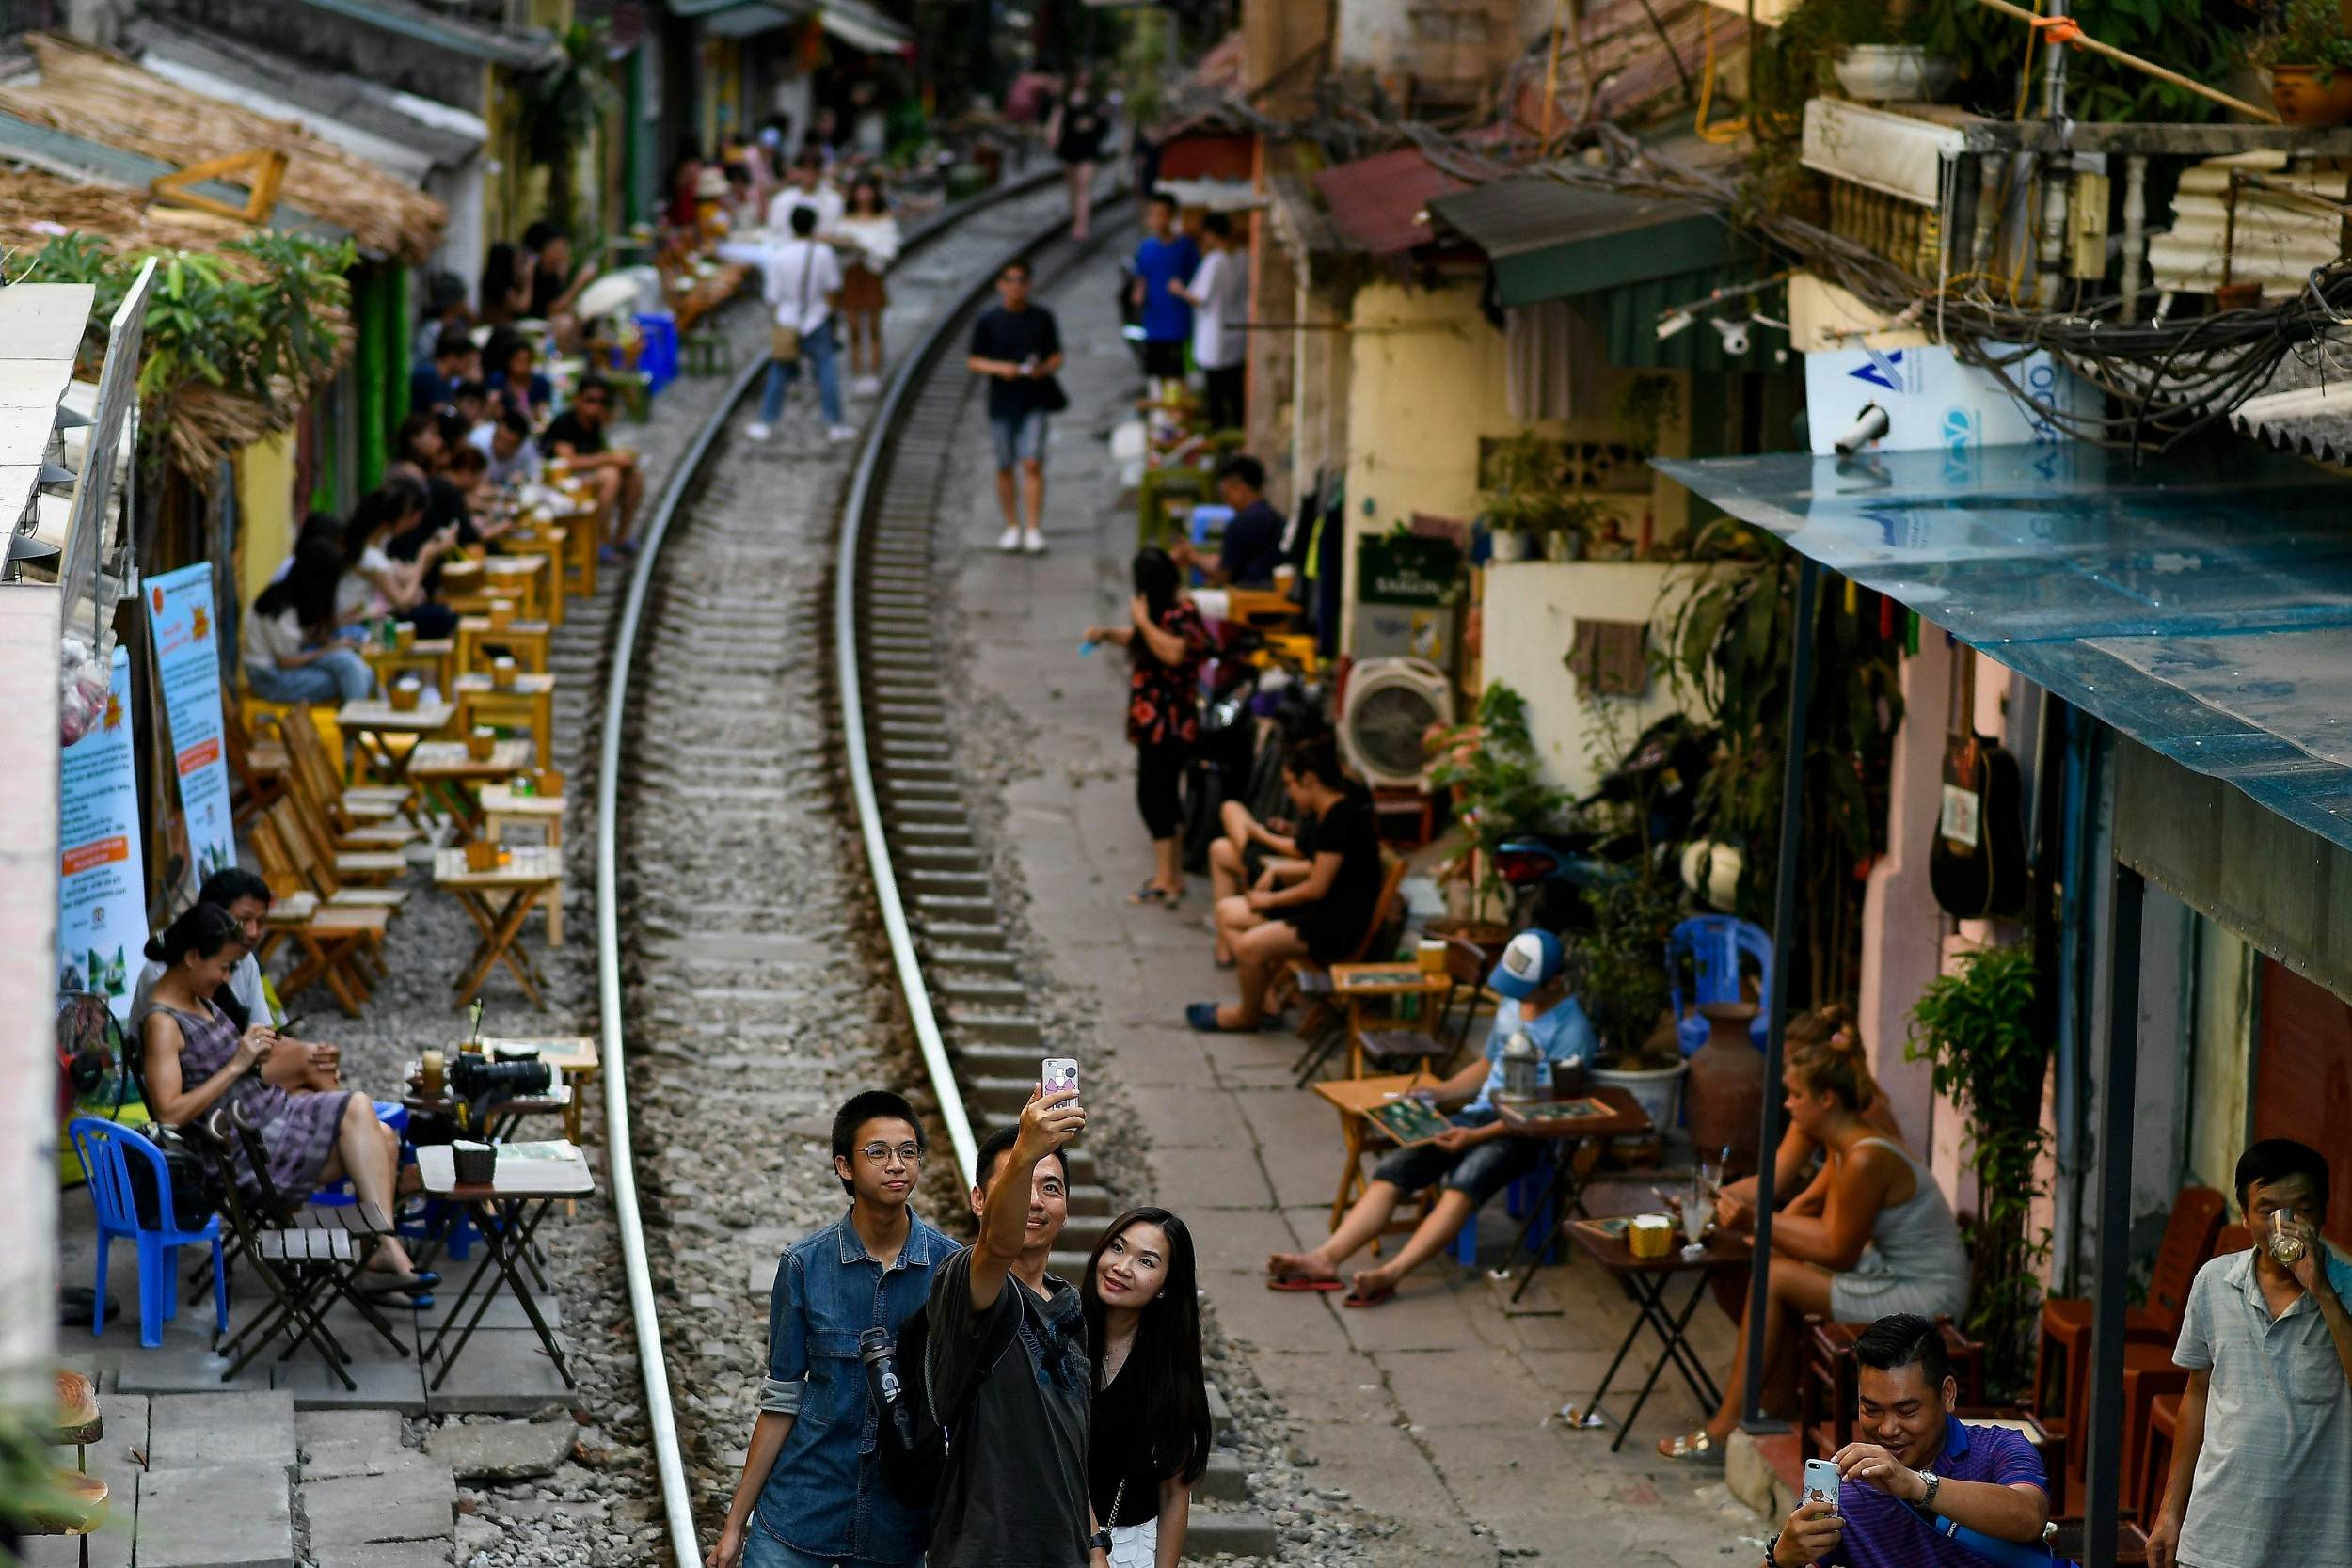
point(660, 1413)
point(865, 491)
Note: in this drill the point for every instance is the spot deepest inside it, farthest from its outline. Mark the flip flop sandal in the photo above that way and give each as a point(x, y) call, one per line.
point(1305, 1285)
point(1696, 1448)
point(1375, 1298)
point(1150, 893)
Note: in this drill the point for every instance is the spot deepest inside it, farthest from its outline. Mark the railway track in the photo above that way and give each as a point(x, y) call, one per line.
point(782, 841)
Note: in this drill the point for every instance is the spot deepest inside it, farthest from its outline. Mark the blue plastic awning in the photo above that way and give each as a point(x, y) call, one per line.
point(2202, 607)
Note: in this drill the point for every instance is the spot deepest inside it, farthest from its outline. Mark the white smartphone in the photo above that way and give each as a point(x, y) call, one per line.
point(1058, 1073)
point(1820, 1482)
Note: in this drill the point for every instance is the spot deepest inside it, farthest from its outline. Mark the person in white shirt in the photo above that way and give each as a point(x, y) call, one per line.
point(802, 279)
point(514, 455)
point(1219, 294)
point(807, 189)
point(868, 237)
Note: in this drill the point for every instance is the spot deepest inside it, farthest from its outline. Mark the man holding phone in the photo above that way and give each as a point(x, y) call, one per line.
point(1914, 1473)
point(1007, 1362)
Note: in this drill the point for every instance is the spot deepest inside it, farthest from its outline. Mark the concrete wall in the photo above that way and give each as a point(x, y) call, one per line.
point(28, 992)
point(1531, 608)
point(265, 512)
point(1452, 41)
point(2221, 1055)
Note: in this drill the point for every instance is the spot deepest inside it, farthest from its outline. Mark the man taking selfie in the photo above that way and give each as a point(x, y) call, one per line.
point(2261, 1448)
point(811, 1493)
point(1914, 1473)
point(1009, 1368)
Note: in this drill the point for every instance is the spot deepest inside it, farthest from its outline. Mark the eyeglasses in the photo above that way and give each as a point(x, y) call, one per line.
point(883, 1154)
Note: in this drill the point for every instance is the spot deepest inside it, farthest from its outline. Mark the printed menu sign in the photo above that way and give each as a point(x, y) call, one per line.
point(102, 889)
point(187, 665)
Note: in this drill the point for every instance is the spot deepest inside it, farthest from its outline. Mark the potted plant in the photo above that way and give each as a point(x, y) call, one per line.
point(1498, 792)
point(1623, 989)
point(2306, 47)
point(1975, 1029)
point(1531, 512)
point(1875, 47)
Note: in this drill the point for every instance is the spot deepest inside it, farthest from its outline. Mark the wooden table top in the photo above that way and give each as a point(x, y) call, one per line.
point(1359, 1095)
point(1387, 979)
point(1611, 1253)
point(528, 865)
point(558, 1176)
point(1626, 1118)
point(476, 683)
point(563, 1052)
point(424, 647)
point(447, 759)
point(375, 713)
point(480, 626)
point(502, 800)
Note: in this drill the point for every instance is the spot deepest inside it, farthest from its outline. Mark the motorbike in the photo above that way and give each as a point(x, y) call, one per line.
point(1551, 872)
point(1228, 762)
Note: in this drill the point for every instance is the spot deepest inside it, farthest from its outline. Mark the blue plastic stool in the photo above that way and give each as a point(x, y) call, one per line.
point(106, 1151)
point(1525, 1192)
point(659, 360)
point(338, 1193)
point(1715, 944)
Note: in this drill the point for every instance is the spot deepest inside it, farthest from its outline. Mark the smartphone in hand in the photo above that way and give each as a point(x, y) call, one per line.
point(1820, 1482)
point(1056, 1074)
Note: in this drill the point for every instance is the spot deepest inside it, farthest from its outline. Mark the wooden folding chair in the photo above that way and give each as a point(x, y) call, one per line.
point(1320, 1025)
point(346, 877)
point(257, 768)
point(363, 816)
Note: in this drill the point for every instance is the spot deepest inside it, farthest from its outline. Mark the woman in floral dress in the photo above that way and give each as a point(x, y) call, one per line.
point(1166, 641)
point(197, 1060)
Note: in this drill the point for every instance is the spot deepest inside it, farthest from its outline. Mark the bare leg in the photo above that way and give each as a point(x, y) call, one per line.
point(1225, 876)
point(1033, 488)
point(368, 1152)
point(1794, 1290)
point(1009, 497)
point(1429, 1238)
point(1357, 1229)
point(632, 494)
point(608, 487)
point(1259, 953)
point(294, 1072)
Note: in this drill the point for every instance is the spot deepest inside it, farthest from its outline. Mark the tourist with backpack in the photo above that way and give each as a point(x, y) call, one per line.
point(1006, 1368)
point(813, 1492)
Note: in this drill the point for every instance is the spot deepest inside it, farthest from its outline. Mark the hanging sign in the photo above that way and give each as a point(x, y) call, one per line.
point(102, 886)
point(187, 666)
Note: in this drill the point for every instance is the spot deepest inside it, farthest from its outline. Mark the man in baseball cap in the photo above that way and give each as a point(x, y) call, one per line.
point(1474, 1159)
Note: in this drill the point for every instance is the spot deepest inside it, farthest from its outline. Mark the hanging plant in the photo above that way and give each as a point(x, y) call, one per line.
point(563, 109)
point(1498, 785)
point(1975, 1029)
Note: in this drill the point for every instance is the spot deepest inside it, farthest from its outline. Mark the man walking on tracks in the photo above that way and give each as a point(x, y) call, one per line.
point(812, 1492)
point(1018, 347)
point(1009, 1368)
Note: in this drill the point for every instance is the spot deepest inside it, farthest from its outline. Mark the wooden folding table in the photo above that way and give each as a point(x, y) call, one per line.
point(497, 899)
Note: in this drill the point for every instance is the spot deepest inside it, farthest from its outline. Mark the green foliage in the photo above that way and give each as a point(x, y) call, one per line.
point(2306, 32)
point(563, 109)
point(29, 1492)
point(1528, 489)
point(261, 309)
point(1497, 779)
point(1621, 979)
point(1975, 1031)
point(1643, 405)
point(1146, 63)
point(1727, 651)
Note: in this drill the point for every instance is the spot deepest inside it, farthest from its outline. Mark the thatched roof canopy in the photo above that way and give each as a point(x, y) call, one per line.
point(102, 97)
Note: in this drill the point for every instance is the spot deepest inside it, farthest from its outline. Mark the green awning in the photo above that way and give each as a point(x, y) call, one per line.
point(1550, 240)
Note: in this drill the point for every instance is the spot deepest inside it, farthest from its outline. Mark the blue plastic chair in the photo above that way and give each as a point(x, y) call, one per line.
point(106, 1150)
point(338, 1193)
point(1714, 943)
point(1522, 1193)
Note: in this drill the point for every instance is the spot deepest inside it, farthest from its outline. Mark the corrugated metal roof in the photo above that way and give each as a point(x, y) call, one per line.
point(2306, 408)
point(523, 49)
point(1377, 202)
point(78, 158)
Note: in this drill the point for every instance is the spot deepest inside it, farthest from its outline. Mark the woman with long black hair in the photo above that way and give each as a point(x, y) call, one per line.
point(1166, 641)
point(1151, 1442)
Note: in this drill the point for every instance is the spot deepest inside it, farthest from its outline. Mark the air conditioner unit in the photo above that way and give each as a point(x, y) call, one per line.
point(1390, 705)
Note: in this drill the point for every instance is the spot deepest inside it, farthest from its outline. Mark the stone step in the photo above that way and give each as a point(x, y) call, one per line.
point(1227, 1480)
point(1242, 1532)
point(982, 993)
point(940, 857)
point(996, 962)
point(899, 811)
point(998, 1028)
point(974, 934)
point(969, 884)
point(1220, 1415)
point(981, 1062)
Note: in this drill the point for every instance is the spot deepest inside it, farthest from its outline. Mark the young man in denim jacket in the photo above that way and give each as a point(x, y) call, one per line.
point(811, 1493)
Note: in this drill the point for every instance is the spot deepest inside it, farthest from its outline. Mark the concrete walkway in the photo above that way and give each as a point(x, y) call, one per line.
point(1438, 1409)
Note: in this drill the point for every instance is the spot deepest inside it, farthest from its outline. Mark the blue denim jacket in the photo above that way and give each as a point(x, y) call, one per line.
point(826, 1495)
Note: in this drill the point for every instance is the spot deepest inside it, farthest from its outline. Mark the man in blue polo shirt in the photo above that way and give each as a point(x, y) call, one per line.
point(1165, 261)
point(1914, 1473)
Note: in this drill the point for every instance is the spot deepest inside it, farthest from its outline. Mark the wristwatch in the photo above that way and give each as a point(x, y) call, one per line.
point(1933, 1481)
point(1099, 1540)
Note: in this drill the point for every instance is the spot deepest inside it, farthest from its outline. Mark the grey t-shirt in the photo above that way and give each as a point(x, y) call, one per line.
point(1015, 1492)
point(2274, 1479)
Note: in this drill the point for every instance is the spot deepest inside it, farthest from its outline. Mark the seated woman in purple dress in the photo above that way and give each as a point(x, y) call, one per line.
point(197, 1059)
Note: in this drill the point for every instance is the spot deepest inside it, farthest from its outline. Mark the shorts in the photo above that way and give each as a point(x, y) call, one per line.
point(1021, 437)
point(1165, 359)
point(1481, 1171)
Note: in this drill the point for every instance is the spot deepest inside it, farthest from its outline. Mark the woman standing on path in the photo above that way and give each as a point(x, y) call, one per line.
point(1075, 132)
point(868, 239)
point(1165, 641)
point(1150, 1444)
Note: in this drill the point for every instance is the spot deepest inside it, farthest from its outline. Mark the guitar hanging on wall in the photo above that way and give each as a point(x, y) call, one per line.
point(1977, 864)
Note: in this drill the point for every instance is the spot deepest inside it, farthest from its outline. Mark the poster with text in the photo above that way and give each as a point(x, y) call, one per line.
point(187, 665)
point(102, 889)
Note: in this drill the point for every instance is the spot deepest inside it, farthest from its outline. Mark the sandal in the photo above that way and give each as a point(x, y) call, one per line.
point(1305, 1285)
point(1150, 893)
point(1691, 1448)
point(1371, 1298)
